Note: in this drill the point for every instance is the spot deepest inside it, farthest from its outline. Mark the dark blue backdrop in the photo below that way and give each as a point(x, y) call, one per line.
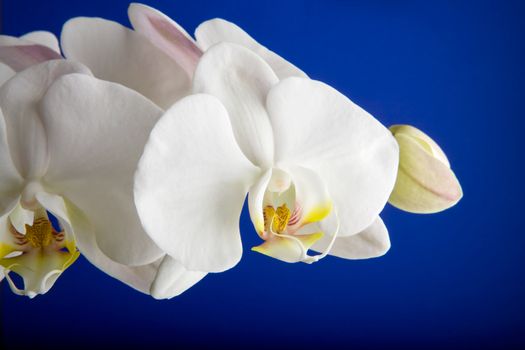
point(455, 70)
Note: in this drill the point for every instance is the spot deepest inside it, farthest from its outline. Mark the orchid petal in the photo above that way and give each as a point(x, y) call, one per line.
point(20, 57)
point(311, 194)
point(173, 279)
point(191, 184)
point(39, 271)
point(44, 38)
point(6, 73)
point(167, 35)
point(7, 241)
point(318, 128)
point(116, 53)
point(105, 126)
point(241, 80)
point(423, 139)
point(286, 248)
point(19, 101)
point(71, 217)
point(20, 217)
point(425, 183)
point(7, 40)
point(255, 201)
point(369, 243)
point(218, 30)
point(10, 179)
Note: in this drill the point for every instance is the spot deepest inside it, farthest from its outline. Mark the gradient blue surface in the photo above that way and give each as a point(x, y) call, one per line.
point(455, 279)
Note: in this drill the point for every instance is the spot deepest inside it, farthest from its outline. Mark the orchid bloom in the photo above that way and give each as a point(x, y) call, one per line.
point(318, 168)
point(113, 53)
point(425, 183)
point(69, 146)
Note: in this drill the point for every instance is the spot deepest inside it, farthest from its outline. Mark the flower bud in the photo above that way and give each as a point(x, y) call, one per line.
point(425, 183)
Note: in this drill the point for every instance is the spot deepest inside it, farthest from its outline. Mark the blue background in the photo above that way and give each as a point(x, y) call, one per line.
point(455, 279)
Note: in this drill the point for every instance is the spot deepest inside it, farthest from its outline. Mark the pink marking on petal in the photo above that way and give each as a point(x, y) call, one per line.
point(167, 35)
point(19, 57)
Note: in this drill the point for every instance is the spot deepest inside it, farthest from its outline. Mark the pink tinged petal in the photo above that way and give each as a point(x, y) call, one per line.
point(369, 243)
point(105, 126)
point(241, 80)
point(43, 38)
point(72, 218)
point(218, 30)
point(167, 35)
point(173, 279)
point(19, 57)
point(318, 128)
point(191, 184)
point(20, 104)
point(116, 53)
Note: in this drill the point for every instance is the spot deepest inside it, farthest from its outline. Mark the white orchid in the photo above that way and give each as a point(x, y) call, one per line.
point(69, 145)
point(318, 168)
point(113, 53)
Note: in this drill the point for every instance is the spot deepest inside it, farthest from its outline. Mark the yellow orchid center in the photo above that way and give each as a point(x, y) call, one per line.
point(278, 219)
point(40, 234)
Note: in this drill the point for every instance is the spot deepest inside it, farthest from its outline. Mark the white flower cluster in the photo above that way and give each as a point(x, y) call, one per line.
point(138, 147)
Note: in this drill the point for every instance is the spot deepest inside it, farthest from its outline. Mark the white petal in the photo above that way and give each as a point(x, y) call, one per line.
point(311, 194)
point(369, 243)
point(241, 80)
point(70, 217)
point(218, 30)
point(116, 53)
point(6, 73)
point(167, 35)
point(10, 180)
point(256, 199)
point(20, 57)
point(318, 128)
point(7, 40)
point(20, 217)
point(191, 184)
point(96, 132)
point(19, 101)
point(173, 279)
point(43, 38)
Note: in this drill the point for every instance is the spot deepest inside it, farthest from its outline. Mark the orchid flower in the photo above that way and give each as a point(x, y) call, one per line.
point(127, 58)
point(425, 183)
point(69, 145)
point(318, 168)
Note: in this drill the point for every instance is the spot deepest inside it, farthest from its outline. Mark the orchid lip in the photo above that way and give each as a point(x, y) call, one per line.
point(38, 254)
